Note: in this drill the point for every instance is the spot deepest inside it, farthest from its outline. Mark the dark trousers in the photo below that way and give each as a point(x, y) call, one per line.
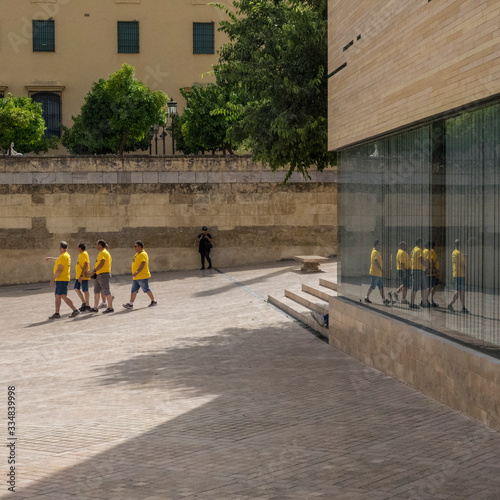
point(205, 254)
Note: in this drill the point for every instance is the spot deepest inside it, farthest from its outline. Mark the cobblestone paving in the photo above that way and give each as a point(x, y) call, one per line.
point(215, 394)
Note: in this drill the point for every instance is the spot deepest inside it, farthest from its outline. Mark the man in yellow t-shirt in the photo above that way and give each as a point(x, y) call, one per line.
point(376, 267)
point(61, 278)
point(403, 266)
point(418, 268)
point(81, 281)
point(102, 269)
point(458, 261)
point(140, 276)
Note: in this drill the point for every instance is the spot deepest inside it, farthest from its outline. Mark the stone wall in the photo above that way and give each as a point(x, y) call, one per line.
point(164, 201)
point(458, 376)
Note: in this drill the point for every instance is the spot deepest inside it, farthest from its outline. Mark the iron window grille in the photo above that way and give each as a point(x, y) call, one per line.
point(128, 37)
point(51, 106)
point(43, 36)
point(203, 38)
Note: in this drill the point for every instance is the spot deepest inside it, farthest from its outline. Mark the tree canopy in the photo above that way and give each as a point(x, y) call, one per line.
point(116, 116)
point(204, 124)
point(277, 53)
point(21, 122)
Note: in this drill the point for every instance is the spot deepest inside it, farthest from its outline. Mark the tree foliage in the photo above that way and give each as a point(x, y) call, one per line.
point(277, 53)
point(204, 124)
point(21, 122)
point(116, 116)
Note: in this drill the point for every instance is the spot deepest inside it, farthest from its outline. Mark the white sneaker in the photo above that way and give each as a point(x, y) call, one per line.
point(128, 305)
point(103, 305)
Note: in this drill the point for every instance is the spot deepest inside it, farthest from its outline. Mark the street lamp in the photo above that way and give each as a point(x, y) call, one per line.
point(172, 112)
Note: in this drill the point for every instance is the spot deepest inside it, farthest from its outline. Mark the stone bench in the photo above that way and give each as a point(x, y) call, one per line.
point(310, 263)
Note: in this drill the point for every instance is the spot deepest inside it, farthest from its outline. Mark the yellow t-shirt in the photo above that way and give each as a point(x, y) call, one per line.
point(402, 258)
point(374, 270)
point(416, 263)
point(138, 259)
point(434, 260)
point(65, 260)
point(458, 260)
point(104, 254)
point(82, 258)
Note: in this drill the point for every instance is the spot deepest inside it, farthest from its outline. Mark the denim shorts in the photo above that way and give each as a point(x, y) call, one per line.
point(137, 284)
point(376, 281)
point(83, 286)
point(61, 287)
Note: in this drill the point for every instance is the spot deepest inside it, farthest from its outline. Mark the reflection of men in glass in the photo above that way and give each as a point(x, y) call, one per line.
point(418, 268)
point(458, 260)
point(376, 273)
point(433, 272)
point(403, 265)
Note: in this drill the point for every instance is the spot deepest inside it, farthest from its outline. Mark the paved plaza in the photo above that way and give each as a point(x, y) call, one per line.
point(215, 394)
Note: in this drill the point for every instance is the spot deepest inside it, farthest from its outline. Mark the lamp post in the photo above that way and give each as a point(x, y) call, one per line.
point(172, 112)
point(156, 128)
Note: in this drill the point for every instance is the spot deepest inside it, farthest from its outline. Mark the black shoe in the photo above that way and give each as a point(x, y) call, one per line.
point(433, 304)
point(83, 308)
point(55, 316)
point(367, 300)
point(413, 306)
point(202, 269)
point(465, 311)
point(450, 308)
point(93, 310)
point(153, 303)
point(76, 312)
point(108, 310)
point(209, 267)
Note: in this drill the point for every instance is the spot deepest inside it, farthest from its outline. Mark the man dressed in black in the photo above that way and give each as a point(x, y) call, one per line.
point(204, 240)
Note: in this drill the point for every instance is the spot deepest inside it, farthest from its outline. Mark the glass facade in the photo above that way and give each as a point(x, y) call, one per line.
point(434, 193)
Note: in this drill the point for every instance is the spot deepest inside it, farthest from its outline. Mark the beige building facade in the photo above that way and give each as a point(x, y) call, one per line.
point(414, 114)
point(53, 50)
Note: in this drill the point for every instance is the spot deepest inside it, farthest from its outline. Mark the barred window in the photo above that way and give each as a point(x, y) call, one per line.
point(203, 38)
point(128, 37)
point(43, 36)
point(51, 105)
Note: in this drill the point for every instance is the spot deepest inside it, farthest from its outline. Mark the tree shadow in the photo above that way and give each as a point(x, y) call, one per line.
point(282, 416)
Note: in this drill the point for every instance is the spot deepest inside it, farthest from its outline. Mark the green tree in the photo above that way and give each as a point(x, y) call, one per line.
point(116, 116)
point(277, 52)
point(204, 124)
point(21, 122)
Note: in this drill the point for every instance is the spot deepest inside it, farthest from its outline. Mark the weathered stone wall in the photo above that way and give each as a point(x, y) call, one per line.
point(163, 201)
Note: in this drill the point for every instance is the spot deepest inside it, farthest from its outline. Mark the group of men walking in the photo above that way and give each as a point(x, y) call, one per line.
point(101, 274)
point(417, 272)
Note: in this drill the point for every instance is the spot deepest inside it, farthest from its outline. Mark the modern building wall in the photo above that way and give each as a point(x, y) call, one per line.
point(414, 59)
point(86, 47)
point(164, 202)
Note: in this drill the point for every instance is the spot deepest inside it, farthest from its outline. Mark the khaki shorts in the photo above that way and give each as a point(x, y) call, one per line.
point(102, 284)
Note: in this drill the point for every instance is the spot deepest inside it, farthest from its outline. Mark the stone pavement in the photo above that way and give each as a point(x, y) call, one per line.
point(215, 394)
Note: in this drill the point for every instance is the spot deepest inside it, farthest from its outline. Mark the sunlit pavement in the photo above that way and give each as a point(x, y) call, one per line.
point(214, 394)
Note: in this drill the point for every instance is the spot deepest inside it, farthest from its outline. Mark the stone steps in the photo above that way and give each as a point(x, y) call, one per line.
point(300, 313)
point(299, 304)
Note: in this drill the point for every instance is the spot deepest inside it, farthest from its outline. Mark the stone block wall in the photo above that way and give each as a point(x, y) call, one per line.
point(458, 376)
point(164, 201)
